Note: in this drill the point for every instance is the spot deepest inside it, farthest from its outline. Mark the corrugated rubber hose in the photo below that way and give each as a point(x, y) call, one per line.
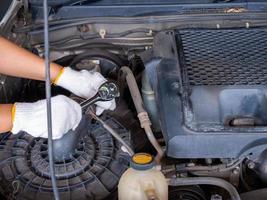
point(142, 114)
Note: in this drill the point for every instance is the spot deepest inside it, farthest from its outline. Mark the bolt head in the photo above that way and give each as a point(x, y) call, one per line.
point(175, 86)
point(251, 165)
point(236, 171)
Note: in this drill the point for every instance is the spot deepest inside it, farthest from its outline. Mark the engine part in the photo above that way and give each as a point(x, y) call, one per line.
point(126, 117)
point(64, 148)
point(206, 181)
point(109, 63)
point(260, 166)
point(255, 194)
point(142, 114)
point(130, 151)
point(92, 172)
point(142, 174)
point(186, 192)
point(208, 78)
point(216, 197)
point(10, 89)
point(4, 8)
point(51, 2)
point(149, 99)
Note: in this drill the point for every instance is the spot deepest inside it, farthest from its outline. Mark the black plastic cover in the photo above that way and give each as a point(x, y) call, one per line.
point(65, 147)
point(92, 172)
point(196, 114)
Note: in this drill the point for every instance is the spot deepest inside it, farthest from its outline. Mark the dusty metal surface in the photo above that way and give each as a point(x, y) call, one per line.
point(225, 57)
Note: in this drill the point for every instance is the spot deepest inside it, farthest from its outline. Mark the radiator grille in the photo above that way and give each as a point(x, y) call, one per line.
point(225, 57)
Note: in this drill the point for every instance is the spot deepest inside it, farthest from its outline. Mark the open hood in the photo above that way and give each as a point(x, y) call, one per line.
point(125, 2)
point(77, 9)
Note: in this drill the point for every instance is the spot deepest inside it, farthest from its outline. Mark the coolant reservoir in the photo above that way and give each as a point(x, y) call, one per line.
point(142, 181)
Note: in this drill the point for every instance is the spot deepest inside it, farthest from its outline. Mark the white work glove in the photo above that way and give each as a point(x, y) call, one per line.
point(84, 84)
point(32, 117)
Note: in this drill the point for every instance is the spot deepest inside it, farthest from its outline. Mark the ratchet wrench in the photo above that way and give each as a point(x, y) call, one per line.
point(106, 92)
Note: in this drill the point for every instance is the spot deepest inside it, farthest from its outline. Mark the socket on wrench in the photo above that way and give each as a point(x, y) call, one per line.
point(106, 92)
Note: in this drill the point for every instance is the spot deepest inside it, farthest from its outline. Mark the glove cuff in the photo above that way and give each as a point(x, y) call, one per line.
point(55, 82)
point(13, 111)
point(69, 79)
point(65, 77)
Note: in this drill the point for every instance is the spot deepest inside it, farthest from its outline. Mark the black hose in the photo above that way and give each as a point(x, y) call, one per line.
point(48, 102)
point(206, 181)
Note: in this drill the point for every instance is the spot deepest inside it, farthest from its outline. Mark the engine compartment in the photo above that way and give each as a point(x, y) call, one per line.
point(202, 84)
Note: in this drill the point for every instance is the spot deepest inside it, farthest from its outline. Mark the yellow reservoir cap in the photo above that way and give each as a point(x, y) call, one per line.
point(142, 158)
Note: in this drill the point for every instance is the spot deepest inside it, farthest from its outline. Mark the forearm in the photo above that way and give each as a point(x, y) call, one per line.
point(16, 61)
point(5, 117)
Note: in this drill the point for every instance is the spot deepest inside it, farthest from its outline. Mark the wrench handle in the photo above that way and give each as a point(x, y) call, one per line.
point(88, 102)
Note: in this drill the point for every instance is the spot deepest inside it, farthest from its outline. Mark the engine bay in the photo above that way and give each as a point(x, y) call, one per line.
point(192, 94)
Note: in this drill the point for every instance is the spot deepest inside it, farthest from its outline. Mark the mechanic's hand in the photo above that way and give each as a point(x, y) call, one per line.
point(84, 84)
point(105, 105)
point(32, 117)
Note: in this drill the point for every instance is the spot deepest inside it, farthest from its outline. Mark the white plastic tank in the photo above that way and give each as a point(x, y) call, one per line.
point(142, 181)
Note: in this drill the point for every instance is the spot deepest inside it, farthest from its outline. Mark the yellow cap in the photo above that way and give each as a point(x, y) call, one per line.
point(142, 158)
